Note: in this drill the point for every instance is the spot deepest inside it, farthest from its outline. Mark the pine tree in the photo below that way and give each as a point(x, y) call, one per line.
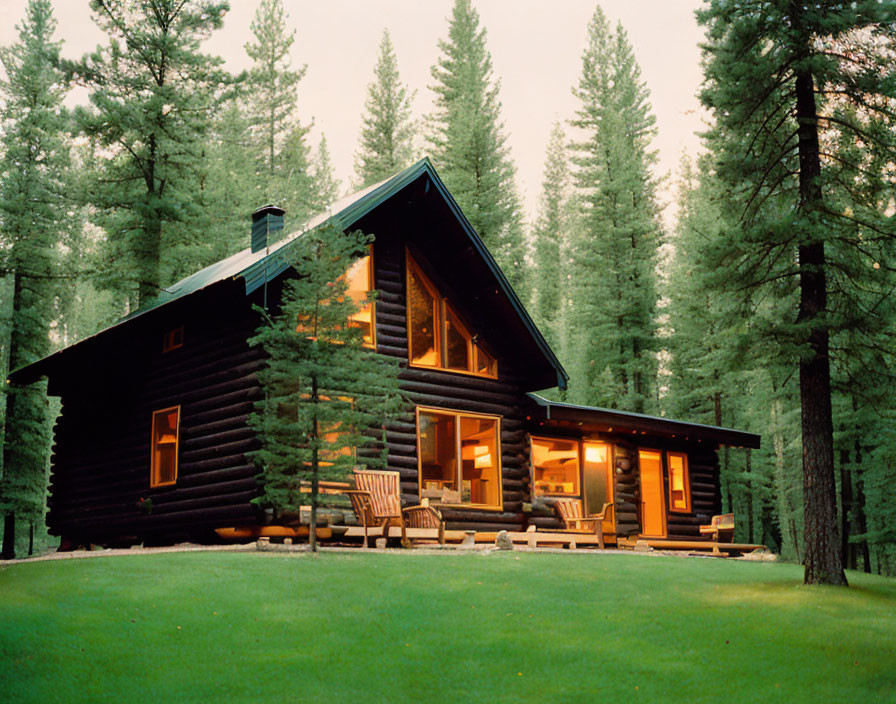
point(387, 133)
point(280, 148)
point(152, 92)
point(326, 185)
point(612, 328)
point(551, 242)
point(468, 144)
point(327, 397)
point(32, 220)
point(803, 142)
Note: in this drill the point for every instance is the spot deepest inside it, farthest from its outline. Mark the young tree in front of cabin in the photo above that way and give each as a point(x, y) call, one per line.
point(552, 267)
point(802, 95)
point(328, 398)
point(152, 92)
point(468, 144)
point(387, 134)
point(612, 328)
point(32, 219)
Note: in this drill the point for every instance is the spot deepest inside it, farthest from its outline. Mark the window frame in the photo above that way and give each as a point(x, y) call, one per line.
point(664, 474)
point(440, 327)
point(458, 415)
point(153, 469)
point(578, 493)
point(168, 343)
point(372, 304)
point(686, 478)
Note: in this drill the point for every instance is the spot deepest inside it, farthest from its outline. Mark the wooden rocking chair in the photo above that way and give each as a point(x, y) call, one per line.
point(574, 521)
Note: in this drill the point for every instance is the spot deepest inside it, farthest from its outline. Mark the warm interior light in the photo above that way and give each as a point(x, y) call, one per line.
point(483, 461)
point(595, 453)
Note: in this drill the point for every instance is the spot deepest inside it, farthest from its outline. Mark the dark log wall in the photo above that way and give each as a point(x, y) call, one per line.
point(459, 392)
point(626, 490)
point(706, 499)
point(101, 461)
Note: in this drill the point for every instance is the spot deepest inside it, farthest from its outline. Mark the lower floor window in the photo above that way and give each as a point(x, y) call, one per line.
point(459, 456)
point(555, 466)
point(165, 427)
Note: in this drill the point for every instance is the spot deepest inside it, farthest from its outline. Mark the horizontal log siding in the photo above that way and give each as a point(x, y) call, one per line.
point(101, 459)
point(706, 499)
point(458, 392)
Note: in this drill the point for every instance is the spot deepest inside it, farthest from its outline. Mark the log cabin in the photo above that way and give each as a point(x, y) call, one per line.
point(154, 408)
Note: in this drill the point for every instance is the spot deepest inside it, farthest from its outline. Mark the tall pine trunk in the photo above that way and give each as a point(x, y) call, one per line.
point(823, 563)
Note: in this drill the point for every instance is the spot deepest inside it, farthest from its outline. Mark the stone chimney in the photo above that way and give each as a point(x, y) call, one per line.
point(267, 222)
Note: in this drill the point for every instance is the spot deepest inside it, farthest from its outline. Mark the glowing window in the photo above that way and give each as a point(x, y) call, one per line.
point(423, 314)
point(679, 484)
point(459, 457)
point(360, 283)
point(438, 338)
point(165, 430)
point(555, 467)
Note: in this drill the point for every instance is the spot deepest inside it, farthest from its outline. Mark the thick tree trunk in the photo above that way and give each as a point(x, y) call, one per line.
point(822, 545)
point(9, 536)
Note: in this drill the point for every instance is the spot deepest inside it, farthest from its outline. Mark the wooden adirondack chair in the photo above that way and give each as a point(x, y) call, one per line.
point(376, 501)
point(572, 513)
point(721, 529)
point(425, 516)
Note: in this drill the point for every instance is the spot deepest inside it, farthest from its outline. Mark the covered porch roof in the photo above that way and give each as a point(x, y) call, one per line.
point(604, 420)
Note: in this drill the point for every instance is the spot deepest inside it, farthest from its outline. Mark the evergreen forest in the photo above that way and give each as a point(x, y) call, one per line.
point(767, 305)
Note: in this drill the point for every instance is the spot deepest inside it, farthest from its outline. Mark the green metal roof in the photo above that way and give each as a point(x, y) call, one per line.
point(257, 268)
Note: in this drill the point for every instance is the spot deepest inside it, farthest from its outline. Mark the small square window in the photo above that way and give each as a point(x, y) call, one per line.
point(173, 339)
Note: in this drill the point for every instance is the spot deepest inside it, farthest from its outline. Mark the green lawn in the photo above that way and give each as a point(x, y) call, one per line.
point(496, 627)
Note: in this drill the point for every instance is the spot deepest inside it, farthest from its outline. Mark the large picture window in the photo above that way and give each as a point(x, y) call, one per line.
point(165, 430)
point(459, 457)
point(555, 465)
point(438, 338)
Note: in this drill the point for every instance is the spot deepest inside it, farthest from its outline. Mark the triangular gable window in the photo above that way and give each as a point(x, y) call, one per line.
point(437, 337)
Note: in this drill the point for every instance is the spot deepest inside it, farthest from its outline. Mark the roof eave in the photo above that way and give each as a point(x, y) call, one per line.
point(641, 423)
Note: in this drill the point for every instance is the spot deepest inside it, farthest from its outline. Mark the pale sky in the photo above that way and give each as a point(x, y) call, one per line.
point(536, 48)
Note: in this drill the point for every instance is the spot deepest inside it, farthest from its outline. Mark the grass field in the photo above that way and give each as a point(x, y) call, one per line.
point(496, 627)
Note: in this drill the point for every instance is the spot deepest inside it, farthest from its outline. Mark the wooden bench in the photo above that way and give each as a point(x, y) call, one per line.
point(721, 530)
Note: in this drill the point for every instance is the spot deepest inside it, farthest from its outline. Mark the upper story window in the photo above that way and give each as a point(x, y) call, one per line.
point(437, 337)
point(359, 278)
point(173, 339)
point(163, 461)
point(359, 282)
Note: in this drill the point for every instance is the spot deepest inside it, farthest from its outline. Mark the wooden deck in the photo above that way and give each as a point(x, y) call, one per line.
point(532, 539)
point(667, 544)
